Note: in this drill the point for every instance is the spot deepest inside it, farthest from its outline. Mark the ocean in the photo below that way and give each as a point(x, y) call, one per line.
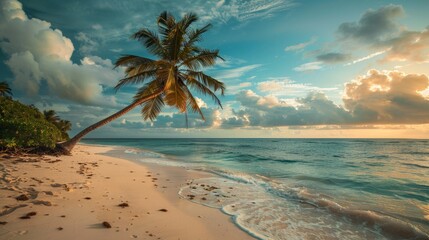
point(303, 188)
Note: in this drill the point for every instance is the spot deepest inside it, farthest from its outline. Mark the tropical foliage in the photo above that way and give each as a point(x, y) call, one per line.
point(5, 89)
point(172, 77)
point(63, 125)
point(24, 127)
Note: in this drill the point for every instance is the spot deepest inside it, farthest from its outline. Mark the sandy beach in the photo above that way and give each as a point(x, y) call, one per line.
point(93, 196)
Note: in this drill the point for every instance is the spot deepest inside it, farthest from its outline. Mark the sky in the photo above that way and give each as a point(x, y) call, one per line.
point(292, 69)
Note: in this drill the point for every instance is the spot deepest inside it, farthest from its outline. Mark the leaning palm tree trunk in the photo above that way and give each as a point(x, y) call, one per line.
point(68, 146)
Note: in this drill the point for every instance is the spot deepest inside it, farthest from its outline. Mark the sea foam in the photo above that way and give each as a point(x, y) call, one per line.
point(271, 210)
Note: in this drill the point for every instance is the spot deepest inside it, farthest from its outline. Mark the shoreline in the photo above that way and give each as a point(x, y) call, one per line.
point(71, 196)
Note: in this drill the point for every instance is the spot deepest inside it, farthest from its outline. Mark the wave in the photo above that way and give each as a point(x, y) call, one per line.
point(416, 153)
point(144, 153)
point(269, 209)
point(415, 165)
point(388, 226)
point(378, 157)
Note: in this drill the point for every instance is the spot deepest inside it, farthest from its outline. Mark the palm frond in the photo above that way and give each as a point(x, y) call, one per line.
point(153, 87)
point(175, 40)
point(136, 69)
point(166, 23)
point(208, 81)
point(205, 58)
point(152, 107)
point(151, 41)
point(137, 78)
point(187, 20)
point(51, 116)
point(195, 34)
point(201, 88)
point(192, 103)
point(132, 60)
point(192, 36)
point(175, 95)
point(64, 125)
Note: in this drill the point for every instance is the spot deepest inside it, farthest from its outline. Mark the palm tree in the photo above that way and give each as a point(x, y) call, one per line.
point(64, 125)
point(169, 79)
point(51, 116)
point(5, 90)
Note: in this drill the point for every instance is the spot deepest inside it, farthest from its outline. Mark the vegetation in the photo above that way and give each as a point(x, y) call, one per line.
point(63, 125)
point(169, 79)
point(25, 128)
point(5, 89)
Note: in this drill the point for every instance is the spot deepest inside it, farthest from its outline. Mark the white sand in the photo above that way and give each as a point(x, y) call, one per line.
point(85, 189)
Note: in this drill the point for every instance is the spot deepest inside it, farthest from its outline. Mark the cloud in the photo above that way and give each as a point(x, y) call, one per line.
point(287, 87)
point(87, 45)
point(173, 120)
point(379, 30)
point(333, 57)
point(118, 16)
point(97, 27)
point(409, 46)
point(268, 111)
point(40, 59)
point(235, 72)
point(25, 68)
point(232, 89)
point(300, 46)
point(374, 27)
point(379, 97)
point(240, 10)
point(200, 102)
point(311, 66)
point(389, 97)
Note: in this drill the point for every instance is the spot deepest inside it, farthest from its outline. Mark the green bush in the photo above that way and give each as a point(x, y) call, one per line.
point(24, 126)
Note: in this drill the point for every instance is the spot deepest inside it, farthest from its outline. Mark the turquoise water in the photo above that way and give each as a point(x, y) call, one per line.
point(305, 188)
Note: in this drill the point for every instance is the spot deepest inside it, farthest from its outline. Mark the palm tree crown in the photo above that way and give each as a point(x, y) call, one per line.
point(51, 116)
point(5, 89)
point(177, 70)
point(169, 79)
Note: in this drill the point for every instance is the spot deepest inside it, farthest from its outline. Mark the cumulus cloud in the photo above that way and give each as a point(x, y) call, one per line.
point(268, 111)
point(40, 57)
point(173, 120)
point(378, 97)
point(388, 97)
point(311, 66)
